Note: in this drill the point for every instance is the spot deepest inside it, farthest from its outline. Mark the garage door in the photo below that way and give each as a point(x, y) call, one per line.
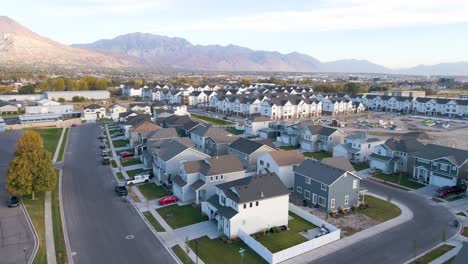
point(441, 181)
point(378, 164)
point(306, 146)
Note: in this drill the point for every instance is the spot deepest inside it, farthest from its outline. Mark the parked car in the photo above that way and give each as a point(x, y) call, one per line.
point(13, 201)
point(105, 161)
point(120, 189)
point(140, 178)
point(169, 199)
point(126, 154)
point(101, 137)
point(104, 153)
point(73, 125)
point(446, 190)
point(102, 146)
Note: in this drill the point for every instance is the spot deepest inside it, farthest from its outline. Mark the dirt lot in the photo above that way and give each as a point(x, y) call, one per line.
point(454, 136)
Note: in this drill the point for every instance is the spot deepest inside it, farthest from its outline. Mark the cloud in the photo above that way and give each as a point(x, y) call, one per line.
point(335, 15)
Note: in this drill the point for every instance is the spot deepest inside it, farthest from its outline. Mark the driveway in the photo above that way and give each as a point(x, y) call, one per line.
point(102, 227)
point(16, 238)
point(396, 245)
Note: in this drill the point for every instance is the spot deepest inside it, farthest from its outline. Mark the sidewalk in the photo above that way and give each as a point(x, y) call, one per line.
point(406, 215)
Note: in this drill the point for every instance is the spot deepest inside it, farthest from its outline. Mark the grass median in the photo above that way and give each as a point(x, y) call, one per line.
point(157, 226)
point(379, 209)
point(59, 240)
point(182, 255)
point(64, 143)
point(399, 178)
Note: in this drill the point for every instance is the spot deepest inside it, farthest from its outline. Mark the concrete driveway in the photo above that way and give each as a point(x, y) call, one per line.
point(16, 238)
point(396, 245)
point(102, 227)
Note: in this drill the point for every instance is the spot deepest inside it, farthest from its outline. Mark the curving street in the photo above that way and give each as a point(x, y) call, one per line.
point(396, 245)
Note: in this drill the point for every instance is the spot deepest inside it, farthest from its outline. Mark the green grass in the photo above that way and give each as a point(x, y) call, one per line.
point(64, 143)
point(215, 251)
point(132, 173)
point(461, 214)
point(212, 120)
point(59, 241)
point(36, 213)
point(434, 254)
point(114, 164)
point(120, 143)
point(449, 261)
point(234, 131)
point(130, 162)
point(157, 226)
point(276, 242)
point(182, 255)
point(399, 178)
point(317, 155)
point(50, 137)
point(289, 147)
point(179, 216)
point(152, 191)
point(465, 232)
point(360, 166)
point(379, 209)
point(120, 176)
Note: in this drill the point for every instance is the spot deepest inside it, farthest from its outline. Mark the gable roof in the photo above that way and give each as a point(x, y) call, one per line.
point(408, 145)
point(214, 165)
point(93, 106)
point(169, 149)
point(318, 171)
point(246, 146)
point(144, 125)
point(431, 152)
point(286, 157)
point(321, 130)
point(162, 133)
point(339, 162)
point(254, 188)
point(133, 120)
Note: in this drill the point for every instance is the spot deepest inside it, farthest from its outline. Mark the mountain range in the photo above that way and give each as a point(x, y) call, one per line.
point(21, 46)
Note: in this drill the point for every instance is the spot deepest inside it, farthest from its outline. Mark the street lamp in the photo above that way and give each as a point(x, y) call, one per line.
point(242, 252)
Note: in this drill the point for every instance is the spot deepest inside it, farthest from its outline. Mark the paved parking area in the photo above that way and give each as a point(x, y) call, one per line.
point(16, 238)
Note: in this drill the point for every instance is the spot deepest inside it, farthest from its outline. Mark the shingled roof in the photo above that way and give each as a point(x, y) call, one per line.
point(339, 162)
point(407, 145)
point(431, 152)
point(246, 146)
point(321, 130)
point(318, 171)
point(286, 157)
point(214, 165)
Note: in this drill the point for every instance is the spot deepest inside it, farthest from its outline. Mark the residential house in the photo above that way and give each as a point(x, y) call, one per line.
point(248, 151)
point(132, 120)
point(357, 148)
point(132, 92)
point(197, 178)
point(326, 186)
point(394, 155)
point(200, 134)
point(250, 204)
point(441, 166)
point(316, 138)
point(115, 110)
point(254, 124)
point(281, 162)
point(142, 126)
point(142, 108)
point(93, 112)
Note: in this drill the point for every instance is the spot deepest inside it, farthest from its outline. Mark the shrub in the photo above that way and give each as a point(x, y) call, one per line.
point(61, 100)
point(275, 229)
point(234, 238)
point(362, 205)
point(354, 208)
point(229, 241)
point(223, 237)
point(341, 210)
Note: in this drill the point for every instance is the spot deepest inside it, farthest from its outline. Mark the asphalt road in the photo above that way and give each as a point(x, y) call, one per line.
point(16, 238)
point(102, 228)
point(396, 245)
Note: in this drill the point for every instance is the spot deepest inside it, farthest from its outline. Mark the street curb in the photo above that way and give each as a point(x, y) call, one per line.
point(64, 222)
point(33, 230)
point(396, 186)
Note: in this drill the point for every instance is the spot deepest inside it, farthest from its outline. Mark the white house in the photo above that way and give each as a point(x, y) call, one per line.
point(250, 204)
point(132, 92)
point(93, 111)
point(357, 148)
point(254, 124)
point(115, 110)
point(281, 162)
point(319, 138)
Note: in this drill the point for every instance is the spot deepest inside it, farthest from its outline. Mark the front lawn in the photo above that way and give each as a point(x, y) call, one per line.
point(120, 176)
point(234, 131)
point(182, 255)
point(289, 147)
point(114, 164)
point(276, 242)
point(152, 191)
point(179, 216)
point(35, 210)
point(132, 173)
point(157, 226)
point(317, 155)
point(130, 161)
point(215, 251)
point(434, 254)
point(465, 232)
point(50, 137)
point(212, 120)
point(379, 209)
point(360, 166)
point(399, 178)
point(120, 143)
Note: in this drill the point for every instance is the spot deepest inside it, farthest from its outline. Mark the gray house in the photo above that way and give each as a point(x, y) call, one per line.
point(326, 186)
point(248, 151)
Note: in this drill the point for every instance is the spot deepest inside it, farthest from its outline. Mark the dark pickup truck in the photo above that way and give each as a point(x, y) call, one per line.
point(446, 190)
point(121, 190)
point(105, 161)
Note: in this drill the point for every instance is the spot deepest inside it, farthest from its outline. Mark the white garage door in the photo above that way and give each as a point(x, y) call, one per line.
point(441, 181)
point(378, 164)
point(306, 146)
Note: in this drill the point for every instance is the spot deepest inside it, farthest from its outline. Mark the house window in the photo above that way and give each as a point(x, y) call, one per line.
point(256, 203)
point(268, 165)
point(217, 177)
point(332, 203)
point(321, 201)
point(346, 199)
point(444, 167)
point(307, 194)
point(307, 180)
point(245, 206)
point(355, 184)
point(222, 177)
point(261, 162)
point(323, 187)
point(299, 189)
point(251, 205)
point(211, 178)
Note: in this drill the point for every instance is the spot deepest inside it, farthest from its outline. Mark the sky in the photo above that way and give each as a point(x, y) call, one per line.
point(395, 33)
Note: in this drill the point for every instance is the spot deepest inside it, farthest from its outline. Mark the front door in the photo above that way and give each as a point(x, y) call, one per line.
point(314, 198)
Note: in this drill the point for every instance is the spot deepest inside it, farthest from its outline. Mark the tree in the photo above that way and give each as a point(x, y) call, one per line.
point(27, 89)
point(352, 88)
point(31, 170)
point(61, 100)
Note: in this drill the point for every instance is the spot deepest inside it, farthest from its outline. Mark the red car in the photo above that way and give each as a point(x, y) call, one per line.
point(73, 125)
point(126, 154)
point(446, 190)
point(168, 200)
point(101, 137)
